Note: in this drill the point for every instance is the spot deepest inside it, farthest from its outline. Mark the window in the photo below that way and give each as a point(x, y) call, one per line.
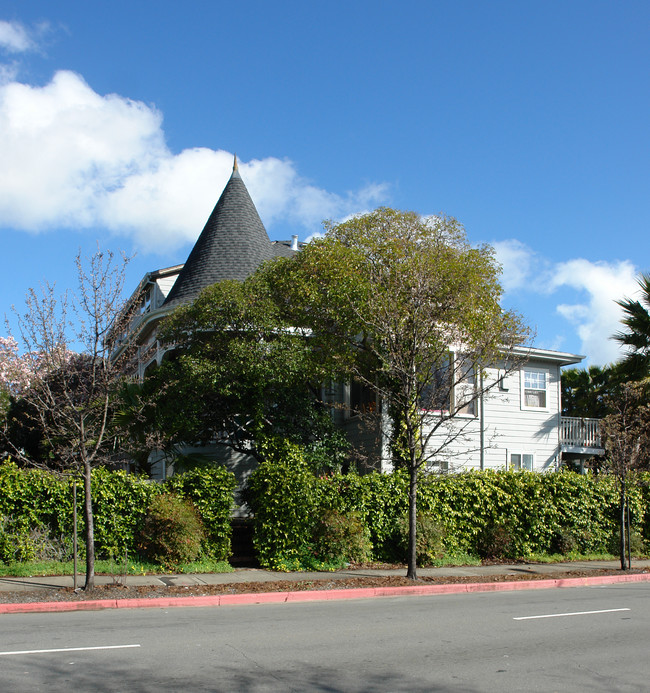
point(363, 399)
point(521, 462)
point(435, 393)
point(145, 304)
point(535, 382)
point(466, 393)
point(454, 379)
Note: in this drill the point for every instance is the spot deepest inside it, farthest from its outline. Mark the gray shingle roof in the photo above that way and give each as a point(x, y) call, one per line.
point(232, 245)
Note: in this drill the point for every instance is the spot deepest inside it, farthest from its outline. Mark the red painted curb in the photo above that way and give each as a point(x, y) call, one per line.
point(317, 595)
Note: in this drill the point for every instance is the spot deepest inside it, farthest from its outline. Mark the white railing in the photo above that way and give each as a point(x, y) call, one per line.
point(581, 433)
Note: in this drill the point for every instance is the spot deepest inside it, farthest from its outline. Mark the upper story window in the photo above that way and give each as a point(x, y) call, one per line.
point(466, 395)
point(534, 393)
point(435, 392)
point(453, 380)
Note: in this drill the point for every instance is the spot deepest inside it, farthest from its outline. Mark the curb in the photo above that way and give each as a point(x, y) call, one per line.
point(317, 595)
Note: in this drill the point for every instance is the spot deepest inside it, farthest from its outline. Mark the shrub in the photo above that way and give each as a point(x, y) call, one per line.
point(637, 545)
point(210, 489)
point(564, 541)
point(282, 493)
point(172, 532)
point(15, 543)
point(496, 541)
point(429, 539)
point(341, 538)
point(120, 503)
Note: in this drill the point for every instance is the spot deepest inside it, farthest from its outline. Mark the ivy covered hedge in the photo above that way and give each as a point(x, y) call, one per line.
point(539, 513)
point(299, 517)
point(36, 510)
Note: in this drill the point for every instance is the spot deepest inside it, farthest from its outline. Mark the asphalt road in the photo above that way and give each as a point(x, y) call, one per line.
point(582, 639)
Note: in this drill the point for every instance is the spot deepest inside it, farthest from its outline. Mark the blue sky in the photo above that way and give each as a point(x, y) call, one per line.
point(527, 121)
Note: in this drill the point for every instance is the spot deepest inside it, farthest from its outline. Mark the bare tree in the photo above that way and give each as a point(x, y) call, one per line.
point(67, 341)
point(626, 436)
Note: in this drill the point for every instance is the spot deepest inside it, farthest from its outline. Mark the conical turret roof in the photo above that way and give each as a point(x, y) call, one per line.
point(232, 245)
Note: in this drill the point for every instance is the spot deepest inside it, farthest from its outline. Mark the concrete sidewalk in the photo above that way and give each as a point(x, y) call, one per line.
point(558, 576)
point(557, 570)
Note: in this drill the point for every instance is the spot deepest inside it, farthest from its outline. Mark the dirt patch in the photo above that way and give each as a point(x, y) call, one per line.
point(117, 591)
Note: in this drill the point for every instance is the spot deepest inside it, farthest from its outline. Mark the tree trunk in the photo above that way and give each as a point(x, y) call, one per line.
point(622, 528)
point(75, 547)
point(90, 530)
point(412, 553)
point(629, 543)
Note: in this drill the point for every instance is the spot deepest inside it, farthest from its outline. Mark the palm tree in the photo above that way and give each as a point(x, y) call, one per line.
point(636, 318)
point(585, 391)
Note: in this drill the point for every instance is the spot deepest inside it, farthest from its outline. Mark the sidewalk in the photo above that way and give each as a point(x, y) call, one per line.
point(557, 570)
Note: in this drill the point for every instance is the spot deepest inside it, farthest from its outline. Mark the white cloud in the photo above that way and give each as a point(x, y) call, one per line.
point(279, 192)
point(517, 261)
point(65, 148)
point(594, 317)
point(598, 317)
point(73, 158)
point(15, 38)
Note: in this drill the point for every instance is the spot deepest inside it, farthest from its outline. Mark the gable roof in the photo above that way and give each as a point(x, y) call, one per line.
point(232, 245)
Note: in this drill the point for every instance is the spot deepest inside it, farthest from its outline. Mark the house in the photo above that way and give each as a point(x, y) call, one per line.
point(517, 425)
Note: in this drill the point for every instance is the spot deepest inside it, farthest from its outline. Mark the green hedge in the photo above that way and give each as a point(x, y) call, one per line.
point(538, 510)
point(211, 491)
point(36, 509)
point(283, 492)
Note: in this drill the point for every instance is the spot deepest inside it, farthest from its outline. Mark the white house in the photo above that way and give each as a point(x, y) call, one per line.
point(518, 425)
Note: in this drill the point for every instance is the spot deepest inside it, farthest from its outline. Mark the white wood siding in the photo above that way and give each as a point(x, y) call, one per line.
point(163, 287)
point(509, 427)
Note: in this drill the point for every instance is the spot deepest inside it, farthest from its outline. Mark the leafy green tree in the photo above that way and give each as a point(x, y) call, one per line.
point(636, 335)
point(239, 374)
point(409, 309)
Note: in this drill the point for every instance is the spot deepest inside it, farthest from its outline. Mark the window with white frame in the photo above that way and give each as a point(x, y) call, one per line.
point(465, 391)
point(436, 391)
point(534, 388)
point(453, 380)
point(521, 461)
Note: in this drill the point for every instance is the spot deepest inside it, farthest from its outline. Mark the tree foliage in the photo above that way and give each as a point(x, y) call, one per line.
point(239, 374)
point(586, 391)
point(636, 333)
point(407, 307)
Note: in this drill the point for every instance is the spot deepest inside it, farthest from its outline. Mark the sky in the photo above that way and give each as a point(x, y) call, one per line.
point(526, 121)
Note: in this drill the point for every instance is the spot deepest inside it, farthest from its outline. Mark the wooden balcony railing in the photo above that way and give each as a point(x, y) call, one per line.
point(576, 432)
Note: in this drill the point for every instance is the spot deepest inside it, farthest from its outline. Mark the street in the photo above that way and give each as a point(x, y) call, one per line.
point(582, 639)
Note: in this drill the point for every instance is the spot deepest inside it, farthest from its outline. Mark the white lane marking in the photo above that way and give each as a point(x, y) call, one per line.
point(572, 613)
point(67, 649)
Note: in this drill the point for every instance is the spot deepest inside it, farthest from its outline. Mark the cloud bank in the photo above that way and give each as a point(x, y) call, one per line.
point(76, 159)
point(595, 316)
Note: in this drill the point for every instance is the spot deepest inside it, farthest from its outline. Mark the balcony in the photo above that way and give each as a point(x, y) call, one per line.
point(580, 436)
